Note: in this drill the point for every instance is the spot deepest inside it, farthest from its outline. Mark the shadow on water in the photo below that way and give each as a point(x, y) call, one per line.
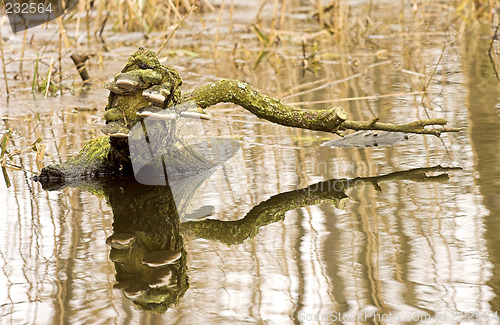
point(147, 246)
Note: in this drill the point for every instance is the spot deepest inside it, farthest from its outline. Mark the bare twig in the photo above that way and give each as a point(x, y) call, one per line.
point(430, 79)
point(412, 127)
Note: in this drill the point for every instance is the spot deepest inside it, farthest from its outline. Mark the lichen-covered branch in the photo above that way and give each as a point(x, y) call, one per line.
point(271, 109)
point(147, 90)
point(263, 106)
point(413, 127)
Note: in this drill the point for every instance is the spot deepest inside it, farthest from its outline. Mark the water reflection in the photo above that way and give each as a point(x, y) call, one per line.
point(483, 105)
point(274, 209)
point(147, 246)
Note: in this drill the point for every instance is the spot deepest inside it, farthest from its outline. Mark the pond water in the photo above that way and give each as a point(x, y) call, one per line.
point(389, 238)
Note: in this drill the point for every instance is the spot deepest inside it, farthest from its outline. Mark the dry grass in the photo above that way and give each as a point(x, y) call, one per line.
point(350, 28)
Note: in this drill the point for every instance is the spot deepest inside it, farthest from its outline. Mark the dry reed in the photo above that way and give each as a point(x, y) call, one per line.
point(349, 28)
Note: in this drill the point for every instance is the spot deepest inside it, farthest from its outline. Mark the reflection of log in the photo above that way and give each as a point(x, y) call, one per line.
point(146, 221)
point(274, 209)
point(149, 215)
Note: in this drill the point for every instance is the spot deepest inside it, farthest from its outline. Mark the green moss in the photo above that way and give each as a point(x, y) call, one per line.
point(93, 158)
point(143, 65)
point(94, 152)
point(266, 107)
point(151, 76)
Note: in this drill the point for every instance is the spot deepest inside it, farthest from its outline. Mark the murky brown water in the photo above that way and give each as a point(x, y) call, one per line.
point(410, 248)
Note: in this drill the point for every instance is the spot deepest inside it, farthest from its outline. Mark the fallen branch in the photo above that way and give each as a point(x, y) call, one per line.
point(412, 127)
point(271, 109)
point(263, 106)
point(145, 87)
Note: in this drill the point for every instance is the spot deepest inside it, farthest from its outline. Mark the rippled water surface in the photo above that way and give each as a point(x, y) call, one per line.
point(386, 234)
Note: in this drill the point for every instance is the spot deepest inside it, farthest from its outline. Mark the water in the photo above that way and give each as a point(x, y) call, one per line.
point(412, 247)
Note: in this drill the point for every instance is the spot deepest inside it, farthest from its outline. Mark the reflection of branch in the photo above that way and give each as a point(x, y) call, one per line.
point(274, 209)
point(270, 211)
point(415, 175)
point(489, 51)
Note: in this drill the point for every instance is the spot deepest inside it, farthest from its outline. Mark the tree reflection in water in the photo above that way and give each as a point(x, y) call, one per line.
point(147, 245)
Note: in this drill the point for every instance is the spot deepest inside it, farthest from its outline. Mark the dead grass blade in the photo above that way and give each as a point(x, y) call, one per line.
point(355, 98)
point(175, 29)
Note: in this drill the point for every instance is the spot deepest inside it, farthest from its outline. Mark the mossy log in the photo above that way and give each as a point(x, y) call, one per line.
point(145, 87)
point(272, 109)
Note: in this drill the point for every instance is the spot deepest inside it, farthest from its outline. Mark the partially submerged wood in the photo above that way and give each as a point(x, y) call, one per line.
point(79, 61)
point(268, 108)
point(145, 88)
point(271, 109)
point(131, 91)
